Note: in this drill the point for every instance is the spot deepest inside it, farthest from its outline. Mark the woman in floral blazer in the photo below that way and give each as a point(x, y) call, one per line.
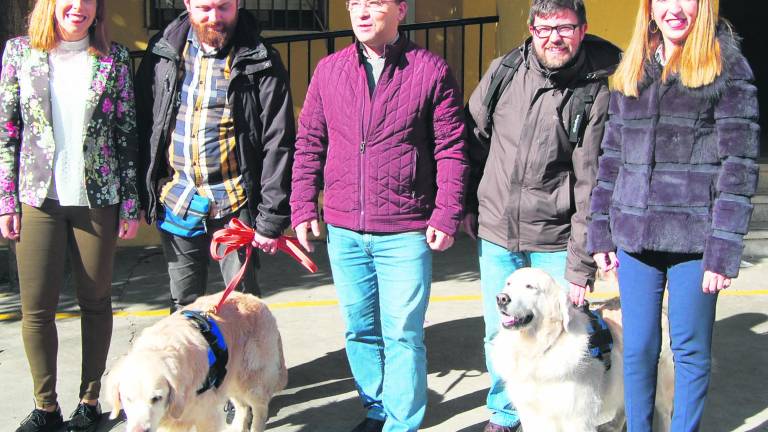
point(68, 159)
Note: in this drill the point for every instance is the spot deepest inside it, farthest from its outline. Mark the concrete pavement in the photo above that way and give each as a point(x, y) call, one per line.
point(320, 396)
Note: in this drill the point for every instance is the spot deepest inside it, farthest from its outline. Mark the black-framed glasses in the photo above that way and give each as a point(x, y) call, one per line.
point(374, 5)
point(564, 30)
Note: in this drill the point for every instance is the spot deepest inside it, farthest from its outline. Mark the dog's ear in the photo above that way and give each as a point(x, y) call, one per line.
point(177, 391)
point(113, 390)
point(567, 310)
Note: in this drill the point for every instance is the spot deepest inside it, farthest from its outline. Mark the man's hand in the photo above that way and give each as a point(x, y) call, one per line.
point(469, 225)
point(128, 228)
point(714, 282)
point(438, 240)
point(606, 262)
point(301, 233)
point(10, 226)
point(266, 244)
point(578, 292)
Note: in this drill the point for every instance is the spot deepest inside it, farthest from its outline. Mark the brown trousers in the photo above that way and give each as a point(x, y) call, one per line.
point(47, 235)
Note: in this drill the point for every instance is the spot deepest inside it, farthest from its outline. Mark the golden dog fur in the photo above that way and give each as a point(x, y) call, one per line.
point(542, 354)
point(156, 383)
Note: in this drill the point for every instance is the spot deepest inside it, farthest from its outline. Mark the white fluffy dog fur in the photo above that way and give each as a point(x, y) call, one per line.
point(542, 354)
point(156, 383)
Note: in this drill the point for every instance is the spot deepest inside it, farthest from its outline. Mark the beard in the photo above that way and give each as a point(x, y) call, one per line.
point(554, 61)
point(214, 35)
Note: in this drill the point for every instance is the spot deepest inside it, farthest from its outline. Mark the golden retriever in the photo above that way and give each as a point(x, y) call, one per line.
point(156, 383)
point(542, 354)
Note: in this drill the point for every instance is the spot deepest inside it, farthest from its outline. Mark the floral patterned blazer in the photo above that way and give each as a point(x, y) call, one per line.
point(26, 131)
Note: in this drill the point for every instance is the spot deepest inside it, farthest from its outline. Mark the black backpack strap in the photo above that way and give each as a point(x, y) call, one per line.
point(501, 78)
point(583, 100)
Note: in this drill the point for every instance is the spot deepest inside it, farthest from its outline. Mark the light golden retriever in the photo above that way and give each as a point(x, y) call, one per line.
point(542, 354)
point(156, 383)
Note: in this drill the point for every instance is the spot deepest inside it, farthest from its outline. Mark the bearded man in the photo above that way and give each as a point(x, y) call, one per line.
point(216, 134)
point(535, 125)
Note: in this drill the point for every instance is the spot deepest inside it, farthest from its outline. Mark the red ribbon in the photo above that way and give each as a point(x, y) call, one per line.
point(237, 235)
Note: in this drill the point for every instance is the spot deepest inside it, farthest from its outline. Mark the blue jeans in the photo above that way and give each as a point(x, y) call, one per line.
point(496, 264)
point(642, 279)
point(383, 283)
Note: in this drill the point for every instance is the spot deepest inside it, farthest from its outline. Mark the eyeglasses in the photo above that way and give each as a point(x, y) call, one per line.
point(374, 5)
point(563, 30)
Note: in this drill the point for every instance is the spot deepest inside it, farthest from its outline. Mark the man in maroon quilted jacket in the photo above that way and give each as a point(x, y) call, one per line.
point(382, 131)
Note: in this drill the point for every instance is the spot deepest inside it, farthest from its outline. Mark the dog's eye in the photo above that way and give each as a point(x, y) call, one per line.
point(156, 399)
point(529, 286)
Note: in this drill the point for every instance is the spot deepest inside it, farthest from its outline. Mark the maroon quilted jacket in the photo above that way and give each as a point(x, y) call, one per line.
point(393, 161)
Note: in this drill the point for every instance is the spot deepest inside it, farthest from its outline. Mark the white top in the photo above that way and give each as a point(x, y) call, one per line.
point(70, 77)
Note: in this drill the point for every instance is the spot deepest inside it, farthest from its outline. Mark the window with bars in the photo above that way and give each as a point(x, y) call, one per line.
point(294, 15)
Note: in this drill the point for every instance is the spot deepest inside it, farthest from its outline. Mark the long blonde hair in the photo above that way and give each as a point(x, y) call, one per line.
point(42, 28)
point(697, 64)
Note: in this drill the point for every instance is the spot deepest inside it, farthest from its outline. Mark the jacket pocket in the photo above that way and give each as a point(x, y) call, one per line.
point(414, 172)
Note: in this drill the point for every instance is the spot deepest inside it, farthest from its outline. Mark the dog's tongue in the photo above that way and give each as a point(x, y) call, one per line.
point(509, 320)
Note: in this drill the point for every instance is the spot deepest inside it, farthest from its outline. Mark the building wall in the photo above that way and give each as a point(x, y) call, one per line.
point(126, 21)
point(610, 19)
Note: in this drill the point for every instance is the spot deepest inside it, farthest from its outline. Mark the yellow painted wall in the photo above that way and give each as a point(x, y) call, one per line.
point(126, 23)
point(610, 19)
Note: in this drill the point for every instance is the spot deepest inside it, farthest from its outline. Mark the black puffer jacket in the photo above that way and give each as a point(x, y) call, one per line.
point(263, 116)
point(678, 166)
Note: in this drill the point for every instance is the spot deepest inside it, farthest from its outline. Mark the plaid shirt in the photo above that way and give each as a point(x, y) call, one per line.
point(203, 149)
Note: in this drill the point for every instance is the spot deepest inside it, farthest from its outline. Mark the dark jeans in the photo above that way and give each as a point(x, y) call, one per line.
point(47, 235)
point(642, 281)
point(188, 260)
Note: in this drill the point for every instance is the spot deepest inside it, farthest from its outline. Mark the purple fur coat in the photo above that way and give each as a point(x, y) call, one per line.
point(678, 166)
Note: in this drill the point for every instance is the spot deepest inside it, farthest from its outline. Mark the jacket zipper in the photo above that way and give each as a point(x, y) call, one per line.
point(536, 98)
point(364, 133)
point(163, 140)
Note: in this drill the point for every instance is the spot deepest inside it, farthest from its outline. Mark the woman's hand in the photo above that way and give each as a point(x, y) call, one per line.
point(10, 226)
point(606, 262)
point(714, 282)
point(128, 228)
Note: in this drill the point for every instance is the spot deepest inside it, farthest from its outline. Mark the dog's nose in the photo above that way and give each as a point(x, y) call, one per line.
point(502, 299)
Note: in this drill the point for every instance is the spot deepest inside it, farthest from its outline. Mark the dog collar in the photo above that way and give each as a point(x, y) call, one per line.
point(218, 354)
point(600, 339)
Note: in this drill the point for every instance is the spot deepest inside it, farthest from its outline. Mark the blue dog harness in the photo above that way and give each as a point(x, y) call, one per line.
point(600, 339)
point(218, 354)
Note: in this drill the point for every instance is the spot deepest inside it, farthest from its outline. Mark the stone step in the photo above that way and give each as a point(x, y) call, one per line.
point(756, 240)
point(760, 212)
point(762, 185)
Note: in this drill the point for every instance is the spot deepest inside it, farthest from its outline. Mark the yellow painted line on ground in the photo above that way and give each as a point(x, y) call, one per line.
point(321, 303)
point(304, 304)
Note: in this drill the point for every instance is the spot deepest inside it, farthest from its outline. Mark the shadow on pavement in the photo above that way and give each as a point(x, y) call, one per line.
point(451, 346)
point(140, 280)
point(739, 376)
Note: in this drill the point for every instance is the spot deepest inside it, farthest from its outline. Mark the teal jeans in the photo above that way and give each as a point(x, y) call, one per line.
point(496, 264)
point(383, 283)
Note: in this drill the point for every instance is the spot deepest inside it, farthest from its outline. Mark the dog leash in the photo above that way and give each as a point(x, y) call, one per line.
point(237, 235)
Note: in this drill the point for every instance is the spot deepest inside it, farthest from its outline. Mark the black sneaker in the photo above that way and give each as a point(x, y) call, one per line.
point(42, 421)
point(493, 427)
point(369, 425)
point(85, 418)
